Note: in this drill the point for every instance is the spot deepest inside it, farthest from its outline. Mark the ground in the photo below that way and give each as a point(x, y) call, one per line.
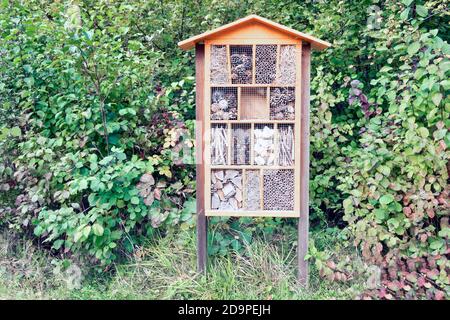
point(163, 270)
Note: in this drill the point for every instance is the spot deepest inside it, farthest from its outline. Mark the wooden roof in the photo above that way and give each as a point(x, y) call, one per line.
point(315, 42)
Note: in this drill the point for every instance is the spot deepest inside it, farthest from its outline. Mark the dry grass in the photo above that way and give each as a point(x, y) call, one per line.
point(166, 270)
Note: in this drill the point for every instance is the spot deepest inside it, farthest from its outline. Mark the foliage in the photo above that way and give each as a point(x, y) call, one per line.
point(97, 102)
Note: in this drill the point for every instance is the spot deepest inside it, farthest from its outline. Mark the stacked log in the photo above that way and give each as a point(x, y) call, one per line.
point(219, 70)
point(240, 147)
point(252, 195)
point(241, 65)
point(219, 144)
point(224, 104)
point(278, 189)
point(285, 152)
point(282, 104)
point(264, 148)
point(265, 64)
point(287, 65)
point(226, 190)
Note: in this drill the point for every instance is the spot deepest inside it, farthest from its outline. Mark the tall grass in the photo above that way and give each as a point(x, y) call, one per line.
point(166, 270)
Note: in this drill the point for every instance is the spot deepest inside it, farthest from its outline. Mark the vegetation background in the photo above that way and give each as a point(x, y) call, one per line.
point(96, 153)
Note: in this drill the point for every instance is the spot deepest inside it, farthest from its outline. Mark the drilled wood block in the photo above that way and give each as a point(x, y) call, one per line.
point(278, 189)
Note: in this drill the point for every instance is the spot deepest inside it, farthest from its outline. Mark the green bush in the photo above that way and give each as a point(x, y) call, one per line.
point(97, 109)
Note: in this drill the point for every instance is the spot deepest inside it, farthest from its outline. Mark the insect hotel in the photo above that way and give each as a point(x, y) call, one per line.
point(252, 140)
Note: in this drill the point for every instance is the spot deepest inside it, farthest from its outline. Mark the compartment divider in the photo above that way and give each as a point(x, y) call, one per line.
point(261, 189)
point(228, 64)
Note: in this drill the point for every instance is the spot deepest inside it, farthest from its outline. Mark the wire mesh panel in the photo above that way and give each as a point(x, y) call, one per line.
point(219, 144)
point(252, 190)
point(265, 64)
point(282, 103)
point(285, 146)
point(287, 65)
point(226, 190)
point(240, 144)
point(264, 148)
point(253, 103)
point(241, 58)
point(223, 103)
point(278, 189)
point(219, 65)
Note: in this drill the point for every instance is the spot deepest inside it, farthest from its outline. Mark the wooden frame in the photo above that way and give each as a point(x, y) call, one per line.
point(295, 213)
point(253, 31)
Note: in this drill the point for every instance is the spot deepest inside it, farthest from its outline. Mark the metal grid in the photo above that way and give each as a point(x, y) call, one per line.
point(265, 64)
point(264, 144)
point(278, 189)
point(287, 65)
point(241, 58)
point(219, 65)
point(226, 190)
point(285, 146)
point(219, 144)
point(240, 144)
point(252, 190)
point(223, 103)
point(282, 103)
point(253, 103)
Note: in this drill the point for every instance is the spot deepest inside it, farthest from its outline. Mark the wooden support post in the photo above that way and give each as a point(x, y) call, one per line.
point(202, 223)
point(303, 221)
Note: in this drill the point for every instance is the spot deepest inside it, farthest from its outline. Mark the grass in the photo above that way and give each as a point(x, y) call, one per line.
point(165, 270)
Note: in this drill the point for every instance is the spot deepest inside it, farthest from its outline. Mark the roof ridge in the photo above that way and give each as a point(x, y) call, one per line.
point(316, 43)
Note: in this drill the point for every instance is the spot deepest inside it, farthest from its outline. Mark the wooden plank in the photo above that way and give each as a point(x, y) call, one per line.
point(254, 64)
point(257, 213)
point(238, 102)
point(303, 222)
point(245, 166)
point(230, 140)
point(228, 64)
point(277, 65)
point(261, 189)
point(261, 121)
point(252, 85)
point(252, 143)
point(245, 28)
point(202, 222)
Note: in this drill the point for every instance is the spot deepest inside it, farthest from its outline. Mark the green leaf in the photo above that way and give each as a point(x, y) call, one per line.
point(405, 13)
point(421, 10)
point(423, 132)
point(407, 2)
point(413, 48)
point(436, 244)
point(98, 229)
point(386, 199)
point(87, 231)
point(134, 200)
point(16, 132)
point(436, 98)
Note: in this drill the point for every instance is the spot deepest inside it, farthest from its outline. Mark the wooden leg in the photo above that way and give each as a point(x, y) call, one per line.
point(202, 223)
point(303, 222)
point(202, 238)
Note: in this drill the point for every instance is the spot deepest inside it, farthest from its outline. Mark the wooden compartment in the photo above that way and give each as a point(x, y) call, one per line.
point(226, 190)
point(253, 103)
point(278, 186)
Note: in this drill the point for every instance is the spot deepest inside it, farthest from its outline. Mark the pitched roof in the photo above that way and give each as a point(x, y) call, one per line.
point(315, 42)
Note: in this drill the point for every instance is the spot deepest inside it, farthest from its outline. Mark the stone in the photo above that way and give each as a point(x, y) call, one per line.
point(228, 190)
point(219, 175)
point(260, 161)
point(215, 201)
point(218, 185)
point(234, 204)
point(221, 195)
point(230, 174)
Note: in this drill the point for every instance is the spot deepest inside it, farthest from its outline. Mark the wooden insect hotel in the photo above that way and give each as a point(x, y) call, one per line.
point(252, 100)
